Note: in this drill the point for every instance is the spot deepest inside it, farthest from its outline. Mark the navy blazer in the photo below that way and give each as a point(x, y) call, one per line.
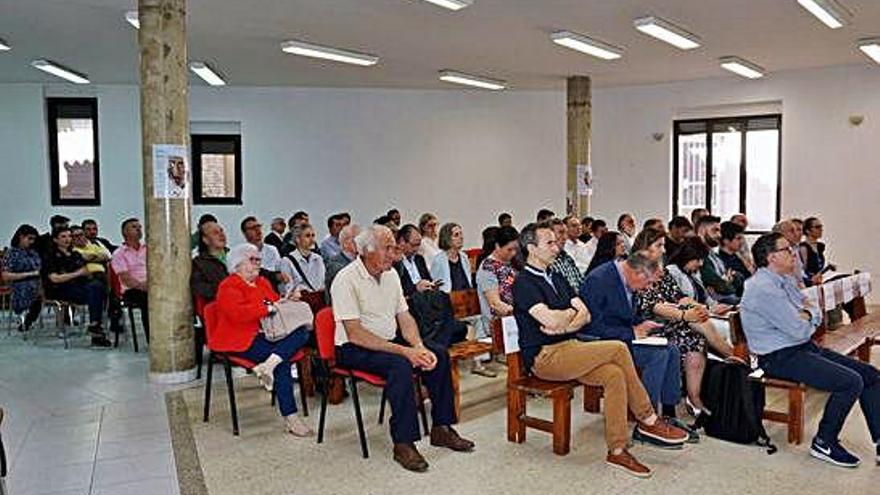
point(406, 282)
point(613, 317)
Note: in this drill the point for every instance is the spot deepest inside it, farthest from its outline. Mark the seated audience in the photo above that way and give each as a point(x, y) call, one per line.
point(680, 228)
point(496, 274)
point(451, 267)
point(544, 214)
point(505, 220)
point(67, 279)
point(611, 246)
point(129, 262)
point(779, 321)
point(394, 217)
point(369, 307)
point(271, 259)
point(597, 229)
point(685, 322)
point(346, 255)
point(626, 225)
point(412, 268)
point(576, 248)
point(275, 237)
point(654, 223)
point(586, 226)
point(793, 234)
point(21, 269)
point(732, 239)
point(91, 229)
point(209, 266)
point(745, 252)
point(564, 264)
point(330, 246)
point(197, 234)
point(723, 283)
point(812, 251)
point(95, 255)
point(243, 299)
point(45, 243)
point(304, 267)
point(685, 266)
point(697, 214)
point(429, 228)
point(608, 293)
point(548, 314)
point(293, 222)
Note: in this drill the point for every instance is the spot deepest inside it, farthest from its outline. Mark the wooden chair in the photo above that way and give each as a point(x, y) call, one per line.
point(465, 304)
point(520, 384)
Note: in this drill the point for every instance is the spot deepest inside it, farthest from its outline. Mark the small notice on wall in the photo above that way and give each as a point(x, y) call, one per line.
point(171, 175)
point(585, 179)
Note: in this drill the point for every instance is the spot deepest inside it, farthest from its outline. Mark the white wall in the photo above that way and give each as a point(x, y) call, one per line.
point(464, 155)
point(829, 168)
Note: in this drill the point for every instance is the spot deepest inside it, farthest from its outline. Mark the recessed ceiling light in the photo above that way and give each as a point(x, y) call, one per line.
point(742, 67)
point(871, 48)
point(469, 80)
point(132, 18)
point(60, 71)
point(452, 4)
point(586, 45)
point(4, 46)
point(830, 12)
point(207, 74)
point(667, 31)
point(317, 51)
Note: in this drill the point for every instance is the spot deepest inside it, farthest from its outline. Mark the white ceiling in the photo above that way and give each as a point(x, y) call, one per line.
point(504, 39)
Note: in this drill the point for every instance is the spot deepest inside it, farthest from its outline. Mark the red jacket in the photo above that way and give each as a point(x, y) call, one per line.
point(239, 309)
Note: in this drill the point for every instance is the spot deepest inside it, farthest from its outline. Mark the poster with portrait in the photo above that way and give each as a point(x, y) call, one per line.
point(171, 174)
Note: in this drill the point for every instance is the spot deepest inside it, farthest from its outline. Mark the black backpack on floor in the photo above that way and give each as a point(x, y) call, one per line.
point(736, 404)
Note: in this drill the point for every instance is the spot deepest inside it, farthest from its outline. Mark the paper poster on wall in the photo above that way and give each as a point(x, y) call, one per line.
point(171, 175)
point(585, 179)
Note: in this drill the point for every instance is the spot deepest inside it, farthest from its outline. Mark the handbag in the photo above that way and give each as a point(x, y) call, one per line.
point(290, 315)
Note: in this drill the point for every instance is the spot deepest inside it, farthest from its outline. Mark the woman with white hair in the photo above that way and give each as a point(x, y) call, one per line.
point(243, 299)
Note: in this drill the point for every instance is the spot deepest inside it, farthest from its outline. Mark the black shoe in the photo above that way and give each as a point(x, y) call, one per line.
point(101, 341)
point(638, 437)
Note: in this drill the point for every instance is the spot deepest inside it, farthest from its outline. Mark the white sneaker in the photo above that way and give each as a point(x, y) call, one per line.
point(263, 374)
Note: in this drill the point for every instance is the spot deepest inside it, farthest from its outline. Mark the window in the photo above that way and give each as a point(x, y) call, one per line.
point(216, 169)
point(729, 165)
point(73, 151)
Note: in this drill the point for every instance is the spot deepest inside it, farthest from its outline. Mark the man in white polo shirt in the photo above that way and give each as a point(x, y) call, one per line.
point(368, 306)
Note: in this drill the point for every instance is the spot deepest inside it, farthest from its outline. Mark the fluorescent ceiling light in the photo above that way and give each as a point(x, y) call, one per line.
point(586, 45)
point(452, 4)
point(62, 72)
point(830, 12)
point(328, 53)
point(202, 70)
point(4, 46)
point(469, 80)
point(742, 67)
point(667, 31)
point(132, 18)
point(871, 48)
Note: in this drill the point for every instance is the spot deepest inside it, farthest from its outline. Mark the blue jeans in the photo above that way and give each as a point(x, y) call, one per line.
point(285, 348)
point(400, 390)
point(847, 379)
point(661, 372)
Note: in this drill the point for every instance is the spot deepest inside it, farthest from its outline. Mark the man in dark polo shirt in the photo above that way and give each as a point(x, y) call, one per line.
point(548, 314)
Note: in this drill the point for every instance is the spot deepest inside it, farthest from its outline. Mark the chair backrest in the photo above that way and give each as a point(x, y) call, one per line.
point(115, 283)
point(211, 315)
point(465, 303)
point(473, 254)
point(325, 334)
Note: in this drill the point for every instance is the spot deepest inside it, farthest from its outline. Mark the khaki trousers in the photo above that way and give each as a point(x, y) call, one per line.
point(604, 363)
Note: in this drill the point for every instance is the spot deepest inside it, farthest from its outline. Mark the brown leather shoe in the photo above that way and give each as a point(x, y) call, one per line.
point(445, 436)
point(663, 432)
point(407, 456)
point(626, 462)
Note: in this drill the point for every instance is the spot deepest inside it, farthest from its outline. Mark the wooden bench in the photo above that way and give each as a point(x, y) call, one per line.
point(465, 304)
point(520, 385)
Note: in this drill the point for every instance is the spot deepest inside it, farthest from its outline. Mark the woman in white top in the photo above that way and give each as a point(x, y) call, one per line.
point(428, 227)
point(310, 274)
point(451, 266)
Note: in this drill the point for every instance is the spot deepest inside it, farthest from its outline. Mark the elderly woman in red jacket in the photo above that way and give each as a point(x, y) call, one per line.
point(243, 298)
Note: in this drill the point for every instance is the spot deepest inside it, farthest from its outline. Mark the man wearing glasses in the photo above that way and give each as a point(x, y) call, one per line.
point(779, 321)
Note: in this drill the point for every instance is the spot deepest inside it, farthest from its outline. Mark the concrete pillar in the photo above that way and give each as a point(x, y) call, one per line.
point(165, 120)
point(580, 109)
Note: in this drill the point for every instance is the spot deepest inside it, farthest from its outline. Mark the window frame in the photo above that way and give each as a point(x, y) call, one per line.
point(743, 175)
point(53, 105)
point(196, 141)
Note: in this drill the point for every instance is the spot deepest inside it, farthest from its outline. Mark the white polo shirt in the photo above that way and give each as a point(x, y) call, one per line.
point(357, 295)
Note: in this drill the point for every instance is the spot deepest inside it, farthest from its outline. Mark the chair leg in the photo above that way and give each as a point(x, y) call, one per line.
point(562, 422)
point(302, 387)
point(200, 352)
point(796, 415)
point(272, 399)
point(357, 416)
point(134, 333)
point(325, 390)
point(516, 411)
point(421, 405)
point(382, 405)
point(208, 386)
point(227, 368)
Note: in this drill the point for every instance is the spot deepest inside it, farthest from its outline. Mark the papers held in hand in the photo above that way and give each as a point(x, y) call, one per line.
point(652, 340)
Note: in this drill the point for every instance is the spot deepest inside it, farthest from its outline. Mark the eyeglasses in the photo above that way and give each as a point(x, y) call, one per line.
point(789, 249)
point(255, 260)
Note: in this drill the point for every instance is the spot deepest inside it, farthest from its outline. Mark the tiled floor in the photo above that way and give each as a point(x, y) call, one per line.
point(83, 421)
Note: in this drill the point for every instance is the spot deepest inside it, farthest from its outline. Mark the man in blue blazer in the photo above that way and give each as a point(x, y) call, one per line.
point(608, 292)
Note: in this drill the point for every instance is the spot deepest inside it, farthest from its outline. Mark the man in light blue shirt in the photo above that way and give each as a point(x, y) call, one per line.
point(778, 321)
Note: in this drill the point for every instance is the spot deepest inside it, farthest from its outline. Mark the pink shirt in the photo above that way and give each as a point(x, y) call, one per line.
point(132, 261)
